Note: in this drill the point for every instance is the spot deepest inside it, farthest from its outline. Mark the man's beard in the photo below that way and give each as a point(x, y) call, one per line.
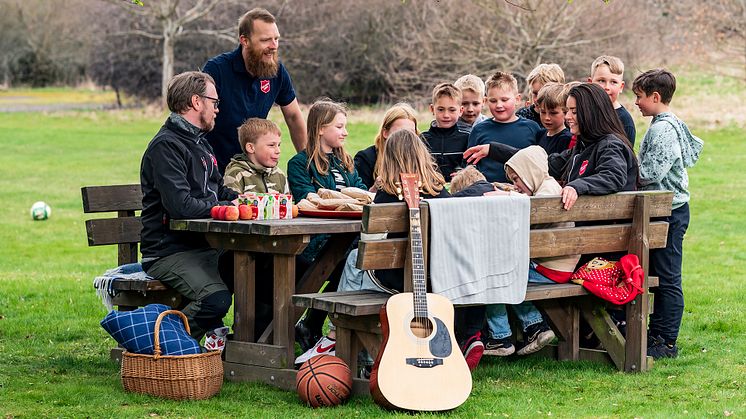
point(205, 124)
point(259, 68)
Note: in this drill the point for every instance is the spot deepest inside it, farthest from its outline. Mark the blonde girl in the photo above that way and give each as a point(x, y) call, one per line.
point(399, 116)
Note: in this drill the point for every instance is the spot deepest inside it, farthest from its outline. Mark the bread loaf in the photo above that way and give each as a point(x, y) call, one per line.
point(330, 194)
point(349, 207)
point(306, 205)
point(361, 195)
point(332, 204)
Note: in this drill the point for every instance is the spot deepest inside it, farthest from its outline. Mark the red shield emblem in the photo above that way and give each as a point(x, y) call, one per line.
point(264, 86)
point(583, 167)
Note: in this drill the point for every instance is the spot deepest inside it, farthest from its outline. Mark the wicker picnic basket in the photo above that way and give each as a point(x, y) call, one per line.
point(194, 377)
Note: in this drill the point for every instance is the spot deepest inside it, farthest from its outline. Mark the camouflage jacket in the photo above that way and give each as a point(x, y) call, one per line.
point(243, 176)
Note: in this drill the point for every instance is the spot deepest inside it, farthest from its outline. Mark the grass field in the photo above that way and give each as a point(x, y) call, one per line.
point(54, 355)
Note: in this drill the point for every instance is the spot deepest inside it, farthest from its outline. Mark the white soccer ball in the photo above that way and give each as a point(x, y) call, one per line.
point(40, 211)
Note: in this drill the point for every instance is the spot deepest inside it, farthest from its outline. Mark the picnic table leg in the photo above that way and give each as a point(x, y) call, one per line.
point(282, 307)
point(565, 321)
point(244, 280)
point(313, 278)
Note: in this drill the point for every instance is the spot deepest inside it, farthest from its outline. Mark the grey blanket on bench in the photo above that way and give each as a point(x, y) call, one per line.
point(104, 283)
point(479, 248)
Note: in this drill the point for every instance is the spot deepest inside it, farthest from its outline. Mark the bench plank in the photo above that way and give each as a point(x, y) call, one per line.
point(111, 198)
point(392, 218)
point(363, 303)
point(106, 231)
point(391, 253)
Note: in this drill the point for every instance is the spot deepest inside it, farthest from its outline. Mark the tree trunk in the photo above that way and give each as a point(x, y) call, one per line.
point(168, 64)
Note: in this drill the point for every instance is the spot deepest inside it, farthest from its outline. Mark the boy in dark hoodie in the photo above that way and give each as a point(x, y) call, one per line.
point(445, 139)
point(255, 170)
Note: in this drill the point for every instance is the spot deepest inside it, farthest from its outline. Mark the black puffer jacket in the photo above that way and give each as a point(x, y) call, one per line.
point(601, 167)
point(447, 146)
point(179, 179)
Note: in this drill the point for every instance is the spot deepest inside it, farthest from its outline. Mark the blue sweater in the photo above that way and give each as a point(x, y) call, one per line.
point(520, 133)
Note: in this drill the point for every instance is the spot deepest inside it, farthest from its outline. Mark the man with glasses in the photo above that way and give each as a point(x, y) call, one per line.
point(180, 179)
point(249, 80)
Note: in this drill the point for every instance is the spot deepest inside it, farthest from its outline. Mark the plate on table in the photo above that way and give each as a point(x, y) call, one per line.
point(331, 213)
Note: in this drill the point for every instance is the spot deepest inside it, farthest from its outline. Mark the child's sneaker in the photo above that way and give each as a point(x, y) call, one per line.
point(473, 349)
point(215, 340)
point(536, 337)
point(499, 347)
point(325, 346)
point(658, 348)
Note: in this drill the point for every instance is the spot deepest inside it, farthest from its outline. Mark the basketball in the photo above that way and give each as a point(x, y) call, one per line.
point(323, 380)
point(40, 211)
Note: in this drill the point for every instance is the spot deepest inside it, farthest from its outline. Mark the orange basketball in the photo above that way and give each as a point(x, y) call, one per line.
point(323, 380)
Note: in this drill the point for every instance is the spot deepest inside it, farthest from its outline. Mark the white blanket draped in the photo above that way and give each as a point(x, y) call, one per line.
point(479, 248)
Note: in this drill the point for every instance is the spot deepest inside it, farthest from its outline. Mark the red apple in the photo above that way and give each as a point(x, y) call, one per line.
point(215, 212)
point(244, 212)
point(221, 212)
point(231, 213)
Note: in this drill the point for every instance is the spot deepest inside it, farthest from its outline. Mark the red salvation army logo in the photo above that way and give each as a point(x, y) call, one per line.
point(583, 167)
point(264, 86)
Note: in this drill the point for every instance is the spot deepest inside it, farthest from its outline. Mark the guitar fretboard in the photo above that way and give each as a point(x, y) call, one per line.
point(419, 283)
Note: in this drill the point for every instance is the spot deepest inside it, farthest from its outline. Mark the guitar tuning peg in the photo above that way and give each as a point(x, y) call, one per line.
point(400, 196)
point(398, 190)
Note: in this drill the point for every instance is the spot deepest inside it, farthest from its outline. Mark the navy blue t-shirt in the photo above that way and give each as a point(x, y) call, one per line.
point(556, 143)
point(520, 133)
point(628, 123)
point(242, 96)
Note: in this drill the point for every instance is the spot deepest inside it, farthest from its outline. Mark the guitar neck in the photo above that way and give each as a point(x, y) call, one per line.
point(419, 281)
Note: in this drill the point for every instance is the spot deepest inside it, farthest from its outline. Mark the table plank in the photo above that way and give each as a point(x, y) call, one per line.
point(295, 226)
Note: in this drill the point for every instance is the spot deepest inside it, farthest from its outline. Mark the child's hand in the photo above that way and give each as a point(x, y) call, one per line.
point(478, 152)
point(569, 196)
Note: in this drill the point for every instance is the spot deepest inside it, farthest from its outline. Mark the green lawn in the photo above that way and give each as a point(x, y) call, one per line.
point(54, 356)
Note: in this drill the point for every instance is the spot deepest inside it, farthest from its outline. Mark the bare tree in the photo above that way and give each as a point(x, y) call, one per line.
point(176, 19)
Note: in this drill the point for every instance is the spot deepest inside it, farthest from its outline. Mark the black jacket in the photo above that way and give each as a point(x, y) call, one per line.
point(601, 167)
point(447, 146)
point(180, 179)
point(365, 164)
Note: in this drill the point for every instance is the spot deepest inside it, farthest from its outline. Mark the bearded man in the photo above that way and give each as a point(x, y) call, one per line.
point(249, 80)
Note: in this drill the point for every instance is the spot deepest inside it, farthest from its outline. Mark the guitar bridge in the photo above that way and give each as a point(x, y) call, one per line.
point(424, 362)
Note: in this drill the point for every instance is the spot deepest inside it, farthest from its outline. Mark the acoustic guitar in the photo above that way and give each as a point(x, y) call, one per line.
point(420, 366)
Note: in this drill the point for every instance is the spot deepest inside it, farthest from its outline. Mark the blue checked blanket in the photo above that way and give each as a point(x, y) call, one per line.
point(135, 330)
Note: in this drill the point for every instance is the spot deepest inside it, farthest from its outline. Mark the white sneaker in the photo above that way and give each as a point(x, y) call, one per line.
point(325, 346)
point(215, 340)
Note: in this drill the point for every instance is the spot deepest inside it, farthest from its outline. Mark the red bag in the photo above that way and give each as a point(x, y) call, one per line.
point(616, 282)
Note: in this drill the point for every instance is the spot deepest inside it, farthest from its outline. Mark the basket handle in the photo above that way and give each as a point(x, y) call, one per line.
point(157, 348)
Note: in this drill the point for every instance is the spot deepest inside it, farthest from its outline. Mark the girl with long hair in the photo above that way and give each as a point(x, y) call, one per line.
point(399, 116)
point(324, 163)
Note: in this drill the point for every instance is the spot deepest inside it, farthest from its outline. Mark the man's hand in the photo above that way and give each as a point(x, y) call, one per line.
point(569, 196)
point(478, 152)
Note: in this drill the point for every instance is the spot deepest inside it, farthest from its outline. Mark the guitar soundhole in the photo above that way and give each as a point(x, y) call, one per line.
point(421, 327)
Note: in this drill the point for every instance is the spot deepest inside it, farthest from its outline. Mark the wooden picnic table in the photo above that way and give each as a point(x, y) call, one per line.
point(270, 357)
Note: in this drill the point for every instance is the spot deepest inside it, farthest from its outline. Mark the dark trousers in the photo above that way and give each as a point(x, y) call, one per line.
point(204, 277)
point(668, 303)
point(468, 321)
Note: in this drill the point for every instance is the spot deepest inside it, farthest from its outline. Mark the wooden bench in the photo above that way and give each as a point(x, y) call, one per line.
point(621, 222)
point(123, 231)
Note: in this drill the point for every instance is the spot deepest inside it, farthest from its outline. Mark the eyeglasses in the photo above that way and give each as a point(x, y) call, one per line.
point(215, 101)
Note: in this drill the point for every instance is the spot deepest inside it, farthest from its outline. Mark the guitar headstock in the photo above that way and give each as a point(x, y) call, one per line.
point(410, 183)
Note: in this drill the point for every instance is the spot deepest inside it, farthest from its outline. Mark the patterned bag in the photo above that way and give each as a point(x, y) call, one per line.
point(134, 331)
point(616, 282)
